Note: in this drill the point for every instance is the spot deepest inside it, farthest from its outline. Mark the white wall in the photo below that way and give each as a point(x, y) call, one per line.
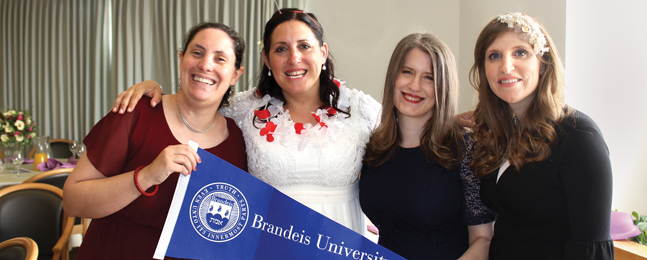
point(362, 34)
point(606, 52)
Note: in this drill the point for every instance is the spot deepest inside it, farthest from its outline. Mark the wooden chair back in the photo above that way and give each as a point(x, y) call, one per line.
point(60, 148)
point(35, 210)
point(19, 248)
point(57, 177)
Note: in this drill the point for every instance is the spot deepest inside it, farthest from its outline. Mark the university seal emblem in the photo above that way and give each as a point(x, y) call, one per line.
point(219, 212)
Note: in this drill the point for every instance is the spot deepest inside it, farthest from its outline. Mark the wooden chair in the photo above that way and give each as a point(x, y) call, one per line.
point(19, 248)
point(60, 148)
point(57, 177)
point(35, 210)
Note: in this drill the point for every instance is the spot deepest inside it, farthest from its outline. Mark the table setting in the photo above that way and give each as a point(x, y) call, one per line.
point(17, 132)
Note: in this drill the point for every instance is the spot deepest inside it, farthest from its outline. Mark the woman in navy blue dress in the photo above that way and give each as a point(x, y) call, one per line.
point(416, 186)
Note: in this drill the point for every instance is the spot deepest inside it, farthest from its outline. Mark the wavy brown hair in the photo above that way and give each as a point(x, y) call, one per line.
point(441, 140)
point(496, 138)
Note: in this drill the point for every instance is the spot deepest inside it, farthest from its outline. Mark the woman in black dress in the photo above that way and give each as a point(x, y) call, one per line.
point(416, 185)
point(544, 166)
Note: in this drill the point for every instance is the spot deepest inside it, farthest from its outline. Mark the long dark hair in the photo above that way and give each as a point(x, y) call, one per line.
point(239, 48)
point(441, 139)
point(327, 88)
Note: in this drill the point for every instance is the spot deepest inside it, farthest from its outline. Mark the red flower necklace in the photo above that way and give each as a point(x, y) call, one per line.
point(271, 126)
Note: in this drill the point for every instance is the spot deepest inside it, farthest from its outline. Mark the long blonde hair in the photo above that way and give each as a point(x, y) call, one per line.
point(495, 135)
point(441, 138)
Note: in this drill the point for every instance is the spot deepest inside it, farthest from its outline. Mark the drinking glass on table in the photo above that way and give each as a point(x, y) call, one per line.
point(81, 149)
point(74, 148)
point(17, 162)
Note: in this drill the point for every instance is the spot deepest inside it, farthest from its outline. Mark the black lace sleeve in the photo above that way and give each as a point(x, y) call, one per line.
point(474, 212)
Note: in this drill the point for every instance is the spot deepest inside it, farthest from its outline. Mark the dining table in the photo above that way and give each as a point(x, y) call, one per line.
point(9, 177)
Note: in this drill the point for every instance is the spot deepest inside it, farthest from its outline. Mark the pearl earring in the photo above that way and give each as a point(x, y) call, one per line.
point(323, 67)
point(269, 73)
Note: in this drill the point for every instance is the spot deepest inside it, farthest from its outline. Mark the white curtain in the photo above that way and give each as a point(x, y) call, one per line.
point(52, 51)
point(67, 60)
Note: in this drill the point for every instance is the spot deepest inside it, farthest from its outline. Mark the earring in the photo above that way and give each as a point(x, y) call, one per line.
point(323, 67)
point(269, 73)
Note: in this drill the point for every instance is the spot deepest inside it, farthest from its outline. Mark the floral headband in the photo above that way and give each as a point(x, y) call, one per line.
point(529, 30)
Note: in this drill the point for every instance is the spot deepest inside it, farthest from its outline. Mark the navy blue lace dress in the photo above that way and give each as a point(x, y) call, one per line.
point(422, 209)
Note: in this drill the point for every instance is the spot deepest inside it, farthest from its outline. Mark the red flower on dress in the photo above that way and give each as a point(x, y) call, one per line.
point(298, 127)
point(268, 129)
point(331, 111)
point(322, 124)
point(262, 114)
point(337, 82)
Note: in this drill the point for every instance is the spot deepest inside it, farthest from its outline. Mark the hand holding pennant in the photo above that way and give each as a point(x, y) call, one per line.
point(222, 212)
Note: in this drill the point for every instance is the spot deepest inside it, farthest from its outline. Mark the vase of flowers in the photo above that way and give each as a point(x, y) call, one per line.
point(17, 129)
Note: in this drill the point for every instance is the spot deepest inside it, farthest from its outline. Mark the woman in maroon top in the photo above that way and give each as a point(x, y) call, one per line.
point(140, 153)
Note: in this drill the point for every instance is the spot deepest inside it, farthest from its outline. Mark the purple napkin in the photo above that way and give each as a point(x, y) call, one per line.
point(72, 160)
point(52, 164)
point(28, 160)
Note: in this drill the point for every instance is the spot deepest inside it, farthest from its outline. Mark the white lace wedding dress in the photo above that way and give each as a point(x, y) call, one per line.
point(319, 166)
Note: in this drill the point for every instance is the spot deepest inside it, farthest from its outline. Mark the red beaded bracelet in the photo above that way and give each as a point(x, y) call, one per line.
point(139, 188)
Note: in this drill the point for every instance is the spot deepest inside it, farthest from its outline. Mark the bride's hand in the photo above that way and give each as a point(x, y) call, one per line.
point(127, 100)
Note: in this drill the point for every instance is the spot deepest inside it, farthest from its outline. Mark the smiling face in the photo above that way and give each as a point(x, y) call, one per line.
point(207, 68)
point(295, 58)
point(414, 92)
point(512, 70)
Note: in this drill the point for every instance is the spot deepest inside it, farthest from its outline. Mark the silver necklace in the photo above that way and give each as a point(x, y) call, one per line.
point(189, 126)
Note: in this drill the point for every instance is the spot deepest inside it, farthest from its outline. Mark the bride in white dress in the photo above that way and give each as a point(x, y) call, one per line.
point(305, 131)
